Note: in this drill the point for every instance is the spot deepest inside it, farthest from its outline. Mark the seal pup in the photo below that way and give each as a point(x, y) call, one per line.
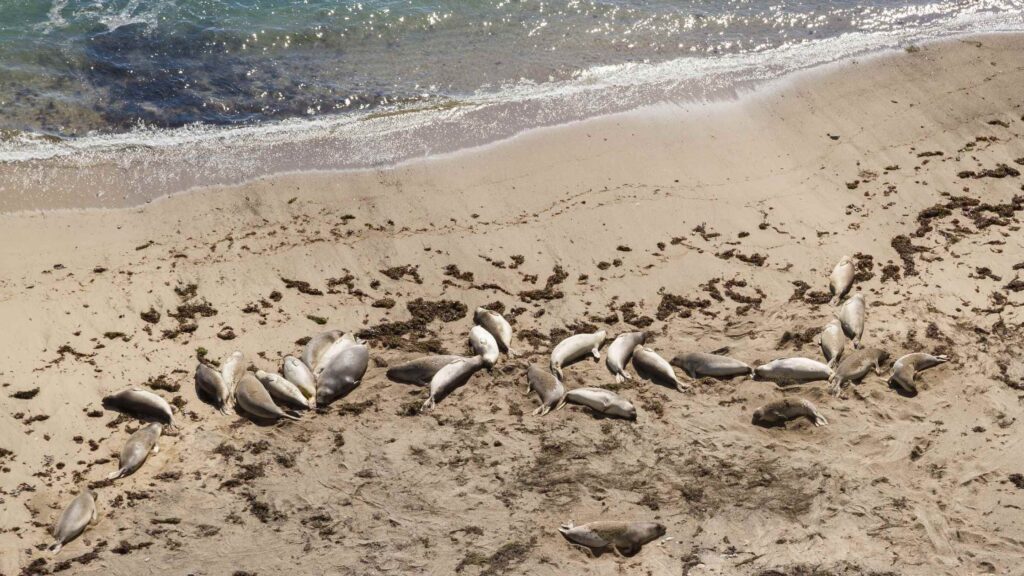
point(649, 365)
point(906, 368)
point(781, 411)
point(484, 344)
point(698, 364)
point(498, 327)
point(142, 404)
point(296, 372)
point(74, 519)
point(600, 400)
point(333, 351)
point(832, 341)
point(841, 280)
point(283, 391)
point(419, 371)
point(620, 352)
point(256, 401)
point(793, 370)
point(211, 386)
point(453, 375)
point(855, 366)
point(851, 316)
point(575, 348)
point(138, 447)
point(546, 386)
point(623, 538)
point(317, 345)
point(343, 373)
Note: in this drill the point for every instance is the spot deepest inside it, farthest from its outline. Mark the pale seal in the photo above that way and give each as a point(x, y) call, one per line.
point(421, 370)
point(547, 387)
point(142, 404)
point(841, 279)
point(575, 348)
point(620, 352)
point(138, 447)
point(855, 366)
point(211, 387)
point(450, 377)
point(699, 364)
point(781, 411)
point(484, 345)
point(785, 370)
point(296, 372)
point(317, 345)
point(904, 369)
point(600, 400)
point(74, 519)
point(623, 538)
point(498, 327)
point(256, 401)
point(649, 365)
point(333, 351)
point(832, 341)
point(283, 391)
point(851, 316)
point(232, 368)
point(343, 373)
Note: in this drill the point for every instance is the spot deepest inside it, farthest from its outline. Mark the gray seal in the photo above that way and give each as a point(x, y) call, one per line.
point(786, 370)
point(138, 447)
point(651, 366)
point(781, 411)
point(419, 371)
point(498, 327)
point(623, 538)
point(841, 279)
point(576, 348)
point(296, 372)
point(855, 366)
point(547, 387)
point(74, 519)
point(452, 376)
point(142, 404)
point(283, 391)
point(484, 345)
point(620, 352)
point(210, 387)
point(317, 345)
point(342, 374)
point(602, 401)
point(333, 351)
point(851, 315)
point(906, 368)
point(700, 364)
point(832, 341)
point(256, 401)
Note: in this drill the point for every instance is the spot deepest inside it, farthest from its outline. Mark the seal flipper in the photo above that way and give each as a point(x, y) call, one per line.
point(56, 546)
point(819, 420)
point(119, 473)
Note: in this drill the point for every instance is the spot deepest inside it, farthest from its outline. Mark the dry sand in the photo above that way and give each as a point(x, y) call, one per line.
point(698, 223)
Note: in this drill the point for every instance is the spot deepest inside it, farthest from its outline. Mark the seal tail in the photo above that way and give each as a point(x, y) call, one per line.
point(561, 404)
point(119, 473)
point(428, 404)
point(564, 528)
point(619, 378)
point(820, 420)
point(511, 353)
point(56, 546)
point(290, 416)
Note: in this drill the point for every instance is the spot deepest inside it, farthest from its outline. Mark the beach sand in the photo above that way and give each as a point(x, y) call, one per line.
point(710, 225)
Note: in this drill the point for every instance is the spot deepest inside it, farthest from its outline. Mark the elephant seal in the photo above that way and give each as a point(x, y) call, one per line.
point(498, 327)
point(333, 351)
point(832, 341)
point(620, 352)
point(450, 377)
point(841, 279)
point(138, 447)
point(256, 401)
point(419, 371)
point(855, 366)
point(484, 345)
point(296, 372)
point(283, 391)
point(546, 386)
point(575, 348)
point(600, 400)
point(232, 368)
point(781, 411)
point(317, 345)
point(623, 538)
point(651, 366)
point(906, 368)
point(74, 519)
point(698, 364)
point(141, 404)
point(793, 370)
point(210, 384)
point(343, 374)
point(851, 316)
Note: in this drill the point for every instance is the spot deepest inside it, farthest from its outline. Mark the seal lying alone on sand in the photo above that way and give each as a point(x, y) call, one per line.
point(142, 404)
point(841, 279)
point(624, 538)
point(547, 386)
point(906, 368)
point(138, 447)
point(797, 369)
point(74, 519)
point(781, 411)
point(575, 348)
point(602, 401)
point(698, 364)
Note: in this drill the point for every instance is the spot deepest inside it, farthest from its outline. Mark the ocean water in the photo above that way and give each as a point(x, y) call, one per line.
point(178, 93)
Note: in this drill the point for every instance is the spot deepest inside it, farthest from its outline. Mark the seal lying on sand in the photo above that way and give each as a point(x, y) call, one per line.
point(855, 366)
point(451, 376)
point(575, 348)
point(419, 371)
point(210, 384)
point(498, 327)
point(232, 368)
point(256, 401)
point(484, 345)
point(343, 373)
point(600, 400)
point(296, 372)
point(906, 368)
point(651, 366)
point(138, 447)
point(317, 345)
point(624, 538)
point(546, 386)
point(74, 519)
point(283, 391)
point(797, 369)
point(620, 352)
point(781, 411)
point(698, 364)
point(832, 341)
point(142, 404)
point(333, 351)
point(851, 315)
point(841, 279)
